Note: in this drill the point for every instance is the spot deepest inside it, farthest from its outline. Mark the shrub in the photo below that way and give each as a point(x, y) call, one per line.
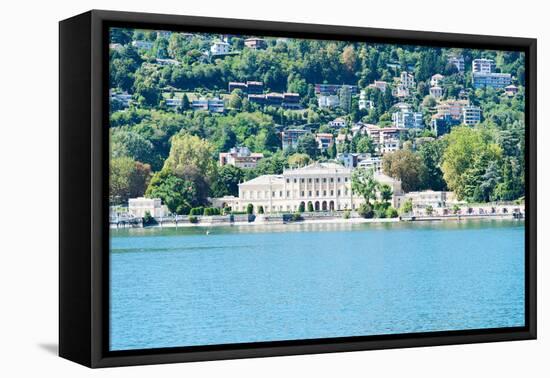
point(193, 219)
point(211, 211)
point(260, 209)
point(347, 214)
point(302, 207)
point(380, 212)
point(365, 211)
point(456, 209)
point(429, 210)
point(250, 209)
point(296, 217)
point(147, 218)
point(310, 207)
point(407, 207)
point(380, 209)
point(197, 211)
point(391, 212)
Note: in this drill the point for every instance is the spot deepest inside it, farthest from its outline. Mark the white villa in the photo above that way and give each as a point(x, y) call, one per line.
point(435, 199)
point(139, 206)
point(219, 48)
point(327, 186)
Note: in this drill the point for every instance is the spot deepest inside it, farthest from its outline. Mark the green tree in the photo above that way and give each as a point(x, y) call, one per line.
point(406, 166)
point(366, 210)
point(191, 151)
point(391, 212)
point(250, 209)
point(224, 139)
point(127, 179)
point(185, 103)
point(386, 193)
point(267, 140)
point(429, 102)
point(273, 165)
point(429, 210)
point(406, 207)
point(299, 160)
point(236, 99)
point(466, 160)
point(432, 156)
point(310, 207)
point(364, 184)
point(365, 145)
point(349, 58)
point(301, 207)
point(331, 152)
point(510, 185)
point(296, 84)
point(177, 194)
point(160, 48)
point(120, 35)
point(147, 89)
point(132, 144)
point(307, 145)
point(227, 181)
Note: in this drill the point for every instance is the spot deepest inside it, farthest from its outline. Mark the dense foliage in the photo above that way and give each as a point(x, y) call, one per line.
point(171, 152)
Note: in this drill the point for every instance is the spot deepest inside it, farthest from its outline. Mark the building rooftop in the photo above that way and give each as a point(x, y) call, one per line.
point(263, 180)
point(318, 168)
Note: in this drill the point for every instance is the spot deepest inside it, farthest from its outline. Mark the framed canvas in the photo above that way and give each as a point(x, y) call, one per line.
point(235, 188)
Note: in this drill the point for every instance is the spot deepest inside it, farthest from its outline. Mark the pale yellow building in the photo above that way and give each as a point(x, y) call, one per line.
point(327, 186)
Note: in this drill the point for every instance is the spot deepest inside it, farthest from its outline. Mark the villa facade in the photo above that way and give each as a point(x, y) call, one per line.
point(326, 186)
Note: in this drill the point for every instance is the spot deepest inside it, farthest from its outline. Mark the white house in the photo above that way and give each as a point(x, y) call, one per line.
point(338, 123)
point(511, 90)
point(328, 101)
point(406, 79)
point(167, 62)
point(457, 61)
point(145, 45)
point(138, 207)
point(379, 84)
point(240, 157)
point(364, 103)
point(219, 48)
point(371, 162)
point(436, 91)
point(435, 199)
point(484, 66)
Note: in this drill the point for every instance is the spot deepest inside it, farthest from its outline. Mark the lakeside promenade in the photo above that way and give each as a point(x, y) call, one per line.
point(480, 212)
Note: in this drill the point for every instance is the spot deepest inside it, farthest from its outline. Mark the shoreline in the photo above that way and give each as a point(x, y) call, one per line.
point(332, 220)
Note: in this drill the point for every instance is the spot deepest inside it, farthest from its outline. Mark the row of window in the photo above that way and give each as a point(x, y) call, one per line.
point(318, 206)
point(279, 194)
point(317, 193)
point(317, 180)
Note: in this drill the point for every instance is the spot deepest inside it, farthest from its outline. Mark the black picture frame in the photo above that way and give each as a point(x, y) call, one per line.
point(83, 181)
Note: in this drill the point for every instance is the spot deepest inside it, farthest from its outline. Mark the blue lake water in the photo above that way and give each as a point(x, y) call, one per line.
point(181, 287)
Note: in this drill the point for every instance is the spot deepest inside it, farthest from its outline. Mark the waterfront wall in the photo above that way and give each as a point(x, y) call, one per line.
point(479, 212)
